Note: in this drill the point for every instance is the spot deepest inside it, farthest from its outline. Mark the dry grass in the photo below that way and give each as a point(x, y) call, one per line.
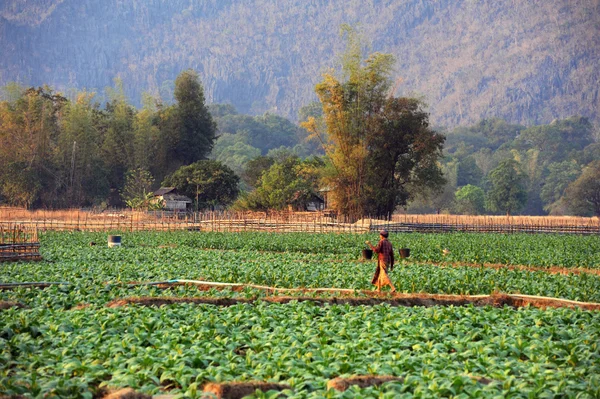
point(75, 219)
point(64, 215)
point(14, 214)
point(494, 220)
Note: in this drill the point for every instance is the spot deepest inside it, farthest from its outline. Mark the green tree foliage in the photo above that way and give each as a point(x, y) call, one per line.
point(241, 136)
point(195, 128)
point(19, 184)
point(208, 182)
point(403, 157)
point(583, 195)
point(254, 169)
point(79, 158)
point(263, 132)
point(119, 137)
point(29, 127)
point(470, 200)
point(549, 156)
point(558, 140)
point(234, 151)
point(57, 152)
point(379, 146)
point(313, 109)
point(221, 110)
point(148, 152)
point(280, 132)
point(507, 193)
point(468, 172)
point(442, 199)
point(487, 133)
point(137, 192)
point(560, 175)
point(590, 153)
point(288, 182)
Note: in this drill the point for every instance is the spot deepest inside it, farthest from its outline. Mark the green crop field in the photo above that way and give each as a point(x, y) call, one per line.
point(58, 348)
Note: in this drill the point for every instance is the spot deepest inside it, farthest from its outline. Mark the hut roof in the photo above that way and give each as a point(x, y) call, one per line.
point(164, 190)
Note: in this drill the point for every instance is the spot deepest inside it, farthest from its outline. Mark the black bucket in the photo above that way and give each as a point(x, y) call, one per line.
point(114, 241)
point(367, 253)
point(404, 252)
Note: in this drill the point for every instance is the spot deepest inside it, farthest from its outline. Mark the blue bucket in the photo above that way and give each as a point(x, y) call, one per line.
point(114, 241)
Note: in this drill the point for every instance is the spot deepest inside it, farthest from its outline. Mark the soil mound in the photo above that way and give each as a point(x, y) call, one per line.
point(407, 300)
point(10, 304)
point(160, 301)
point(363, 381)
point(237, 390)
point(125, 393)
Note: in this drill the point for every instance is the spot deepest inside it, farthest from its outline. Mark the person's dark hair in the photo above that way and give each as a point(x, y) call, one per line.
point(384, 233)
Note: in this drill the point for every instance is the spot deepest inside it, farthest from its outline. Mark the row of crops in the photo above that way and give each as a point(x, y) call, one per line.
point(98, 274)
point(440, 351)
point(509, 249)
point(56, 347)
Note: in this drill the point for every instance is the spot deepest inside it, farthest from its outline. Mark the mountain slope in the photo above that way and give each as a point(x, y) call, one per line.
point(524, 61)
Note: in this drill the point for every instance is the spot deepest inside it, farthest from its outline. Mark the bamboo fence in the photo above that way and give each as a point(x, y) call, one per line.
point(19, 242)
point(280, 222)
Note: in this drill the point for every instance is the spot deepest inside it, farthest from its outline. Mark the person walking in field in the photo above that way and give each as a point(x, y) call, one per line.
point(385, 262)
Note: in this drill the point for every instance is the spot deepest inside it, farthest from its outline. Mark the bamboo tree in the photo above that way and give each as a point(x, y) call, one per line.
point(377, 145)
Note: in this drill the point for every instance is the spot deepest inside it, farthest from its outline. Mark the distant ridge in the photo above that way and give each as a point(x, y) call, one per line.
point(528, 62)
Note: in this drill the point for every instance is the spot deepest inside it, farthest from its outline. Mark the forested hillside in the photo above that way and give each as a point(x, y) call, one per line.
point(528, 62)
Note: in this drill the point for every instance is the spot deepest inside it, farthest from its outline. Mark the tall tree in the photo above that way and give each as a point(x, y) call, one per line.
point(19, 184)
point(147, 151)
point(29, 127)
point(470, 200)
point(82, 169)
point(119, 139)
point(560, 175)
point(468, 172)
point(583, 195)
point(195, 126)
point(378, 145)
point(403, 156)
point(508, 191)
point(532, 167)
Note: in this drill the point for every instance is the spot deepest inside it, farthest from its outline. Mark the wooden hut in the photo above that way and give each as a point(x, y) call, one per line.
point(171, 200)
